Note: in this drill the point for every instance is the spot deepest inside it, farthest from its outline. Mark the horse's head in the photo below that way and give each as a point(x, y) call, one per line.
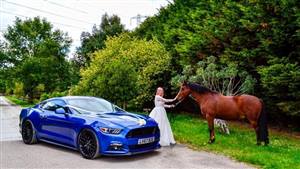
point(184, 91)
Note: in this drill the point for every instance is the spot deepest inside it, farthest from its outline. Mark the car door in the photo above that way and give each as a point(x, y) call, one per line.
point(58, 127)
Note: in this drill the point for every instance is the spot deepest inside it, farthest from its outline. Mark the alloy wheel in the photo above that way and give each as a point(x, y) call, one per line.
point(88, 144)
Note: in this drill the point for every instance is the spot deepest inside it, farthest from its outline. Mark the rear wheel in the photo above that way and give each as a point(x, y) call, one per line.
point(28, 133)
point(88, 144)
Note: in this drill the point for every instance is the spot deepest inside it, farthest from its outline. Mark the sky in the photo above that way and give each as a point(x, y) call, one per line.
point(76, 16)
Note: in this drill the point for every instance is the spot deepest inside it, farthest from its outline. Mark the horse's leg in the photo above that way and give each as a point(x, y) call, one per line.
point(210, 121)
point(255, 127)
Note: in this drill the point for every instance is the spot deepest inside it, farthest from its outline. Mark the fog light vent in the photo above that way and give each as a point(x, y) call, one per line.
point(115, 146)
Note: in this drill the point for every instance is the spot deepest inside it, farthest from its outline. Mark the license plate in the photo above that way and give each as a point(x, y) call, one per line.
point(146, 140)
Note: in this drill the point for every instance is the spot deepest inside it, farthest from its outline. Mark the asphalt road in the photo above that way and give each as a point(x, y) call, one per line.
point(15, 154)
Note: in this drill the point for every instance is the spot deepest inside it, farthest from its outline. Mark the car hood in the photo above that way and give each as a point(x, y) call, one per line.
point(124, 120)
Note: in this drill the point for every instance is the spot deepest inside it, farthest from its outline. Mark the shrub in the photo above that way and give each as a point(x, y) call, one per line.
point(45, 96)
point(38, 90)
point(127, 71)
point(19, 89)
point(281, 81)
point(228, 80)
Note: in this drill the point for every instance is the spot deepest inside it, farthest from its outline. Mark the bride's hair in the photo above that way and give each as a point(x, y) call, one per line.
point(158, 90)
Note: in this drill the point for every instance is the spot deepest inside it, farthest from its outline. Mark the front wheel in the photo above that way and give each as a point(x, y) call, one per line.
point(88, 144)
point(28, 133)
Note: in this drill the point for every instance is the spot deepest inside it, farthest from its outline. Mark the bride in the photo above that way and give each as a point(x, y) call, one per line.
point(160, 116)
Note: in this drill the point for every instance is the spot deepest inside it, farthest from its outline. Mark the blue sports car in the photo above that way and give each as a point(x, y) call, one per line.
point(91, 125)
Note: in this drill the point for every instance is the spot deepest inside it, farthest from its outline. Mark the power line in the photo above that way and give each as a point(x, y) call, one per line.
point(64, 6)
point(10, 13)
point(15, 14)
point(40, 10)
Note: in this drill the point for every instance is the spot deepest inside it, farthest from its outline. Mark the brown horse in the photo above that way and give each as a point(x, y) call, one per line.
point(215, 105)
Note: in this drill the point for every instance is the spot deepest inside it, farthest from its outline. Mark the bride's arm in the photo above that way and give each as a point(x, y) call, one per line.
point(169, 105)
point(166, 100)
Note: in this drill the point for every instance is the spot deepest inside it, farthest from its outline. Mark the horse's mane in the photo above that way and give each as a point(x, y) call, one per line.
point(200, 89)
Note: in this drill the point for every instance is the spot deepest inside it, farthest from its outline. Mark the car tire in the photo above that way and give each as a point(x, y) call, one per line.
point(88, 144)
point(28, 133)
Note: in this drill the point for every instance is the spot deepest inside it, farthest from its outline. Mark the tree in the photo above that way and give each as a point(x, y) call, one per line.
point(225, 79)
point(3, 65)
point(127, 70)
point(90, 42)
point(37, 55)
point(281, 82)
point(3, 56)
point(244, 32)
point(6, 71)
point(250, 35)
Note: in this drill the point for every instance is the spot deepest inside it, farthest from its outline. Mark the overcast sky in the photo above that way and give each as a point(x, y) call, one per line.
point(76, 16)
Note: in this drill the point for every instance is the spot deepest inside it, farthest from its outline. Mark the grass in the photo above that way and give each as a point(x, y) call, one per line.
point(18, 101)
point(283, 151)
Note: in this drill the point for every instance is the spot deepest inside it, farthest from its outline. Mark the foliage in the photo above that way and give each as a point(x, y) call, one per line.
point(3, 67)
point(19, 101)
point(283, 151)
point(36, 55)
point(228, 80)
point(126, 70)
point(8, 91)
point(35, 38)
point(19, 90)
point(38, 90)
point(2, 85)
point(45, 96)
point(3, 56)
point(2, 81)
point(246, 34)
point(281, 81)
point(90, 42)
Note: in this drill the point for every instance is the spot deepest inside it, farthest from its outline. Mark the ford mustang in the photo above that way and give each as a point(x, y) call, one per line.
point(91, 125)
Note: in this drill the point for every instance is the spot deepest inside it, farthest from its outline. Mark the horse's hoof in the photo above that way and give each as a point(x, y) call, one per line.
point(211, 141)
point(258, 143)
point(266, 143)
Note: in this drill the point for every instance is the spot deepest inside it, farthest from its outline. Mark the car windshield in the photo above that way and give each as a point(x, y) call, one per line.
point(91, 105)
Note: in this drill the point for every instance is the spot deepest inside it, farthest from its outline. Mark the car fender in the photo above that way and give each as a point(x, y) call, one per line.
point(90, 128)
point(33, 116)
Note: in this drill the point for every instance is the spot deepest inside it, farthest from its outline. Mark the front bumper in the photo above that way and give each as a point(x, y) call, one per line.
point(119, 145)
point(128, 153)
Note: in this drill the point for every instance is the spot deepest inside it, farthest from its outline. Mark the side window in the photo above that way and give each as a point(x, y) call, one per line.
point(118, 109)
point(53, 104)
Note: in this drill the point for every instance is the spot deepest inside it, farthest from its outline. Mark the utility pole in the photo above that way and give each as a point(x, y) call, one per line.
point(138, 19)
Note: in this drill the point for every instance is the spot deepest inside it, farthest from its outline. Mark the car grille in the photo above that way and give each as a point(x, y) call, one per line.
point(142, 132)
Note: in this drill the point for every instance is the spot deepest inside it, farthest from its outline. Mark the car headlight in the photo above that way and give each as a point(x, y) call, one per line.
point(108, 130)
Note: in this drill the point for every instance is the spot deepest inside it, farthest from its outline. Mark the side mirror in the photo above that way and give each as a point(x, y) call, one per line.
point(60, 111)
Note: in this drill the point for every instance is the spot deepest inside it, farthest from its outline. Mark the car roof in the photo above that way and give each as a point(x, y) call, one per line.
point(73, 97)
point(79, 97)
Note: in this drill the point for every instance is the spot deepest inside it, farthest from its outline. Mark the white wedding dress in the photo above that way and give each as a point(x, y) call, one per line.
point(160, 116)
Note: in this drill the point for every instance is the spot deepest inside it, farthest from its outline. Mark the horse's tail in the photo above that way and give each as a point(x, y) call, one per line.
point(263, 126)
